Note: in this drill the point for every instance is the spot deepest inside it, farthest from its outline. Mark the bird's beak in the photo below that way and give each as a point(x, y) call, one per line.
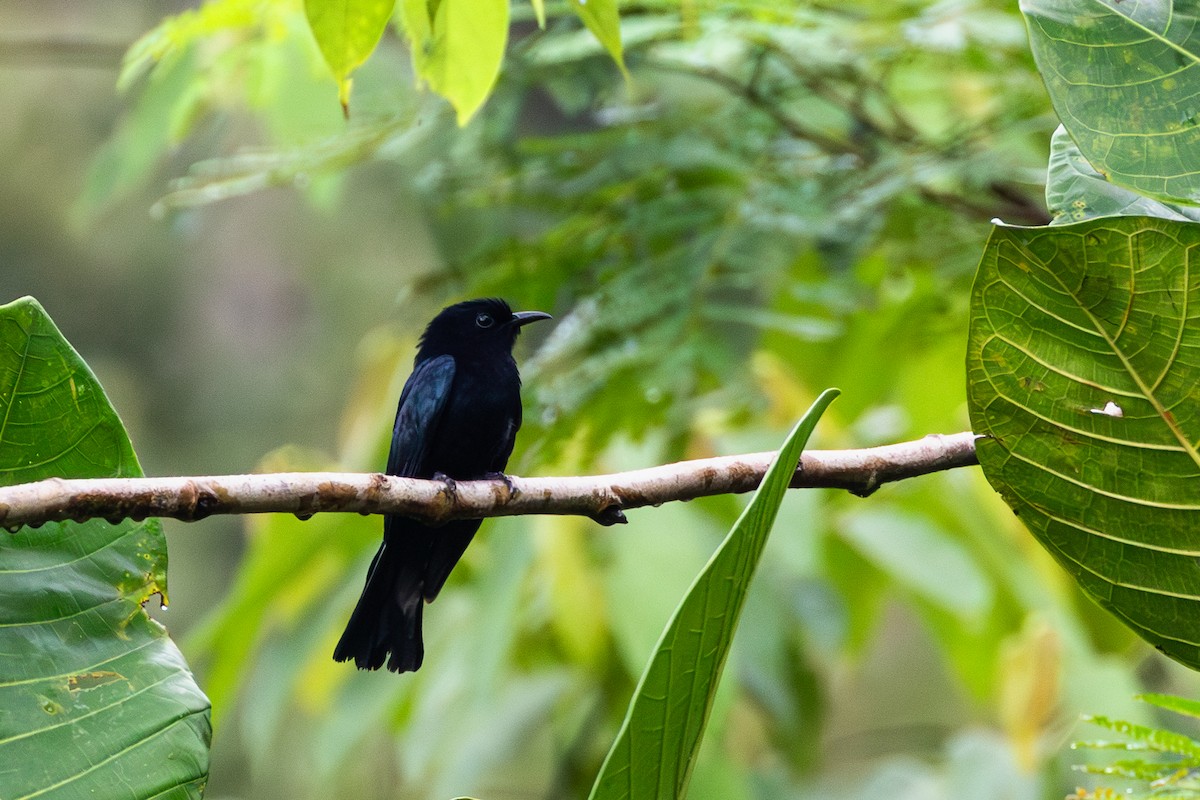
point(520, 318)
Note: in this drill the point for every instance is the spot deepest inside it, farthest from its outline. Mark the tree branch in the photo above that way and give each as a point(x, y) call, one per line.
point(601, 497)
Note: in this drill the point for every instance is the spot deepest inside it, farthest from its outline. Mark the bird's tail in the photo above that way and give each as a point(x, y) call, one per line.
point(386, 620)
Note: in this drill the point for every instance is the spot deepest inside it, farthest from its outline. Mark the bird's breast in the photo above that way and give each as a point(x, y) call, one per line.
point(476, 431)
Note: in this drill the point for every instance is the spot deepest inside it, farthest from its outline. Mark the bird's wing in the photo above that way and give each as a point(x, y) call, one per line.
point(421, 403)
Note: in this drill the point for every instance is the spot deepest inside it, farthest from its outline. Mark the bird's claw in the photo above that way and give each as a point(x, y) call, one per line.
point(449, 483)
point(610, 515)
point(507, 481)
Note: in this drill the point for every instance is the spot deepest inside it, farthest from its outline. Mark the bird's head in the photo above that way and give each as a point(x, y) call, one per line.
point(475, 327)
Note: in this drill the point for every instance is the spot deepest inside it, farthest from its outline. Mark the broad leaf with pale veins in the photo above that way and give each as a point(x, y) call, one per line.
point(1124, 78)
point(1084, 374)
point(95, 699)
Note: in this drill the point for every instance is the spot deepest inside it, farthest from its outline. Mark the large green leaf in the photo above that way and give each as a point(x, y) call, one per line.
point(656, 747)
point(1075, 191)
point(1084, 374)
point(95, 699)
point(347, 32)
point(1123, 77)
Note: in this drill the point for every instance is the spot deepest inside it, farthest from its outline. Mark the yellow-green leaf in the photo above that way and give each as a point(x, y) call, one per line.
point(347, 32)
point(457, 47)
point(602, 19)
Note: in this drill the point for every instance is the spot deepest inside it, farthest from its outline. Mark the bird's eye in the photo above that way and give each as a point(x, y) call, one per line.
point(484, 321)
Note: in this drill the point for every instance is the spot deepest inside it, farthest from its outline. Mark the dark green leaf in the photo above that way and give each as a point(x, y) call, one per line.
point(1075, 191)
point(96, 700)
point(1122, 77)
point(656, 747)
point(1084, 374)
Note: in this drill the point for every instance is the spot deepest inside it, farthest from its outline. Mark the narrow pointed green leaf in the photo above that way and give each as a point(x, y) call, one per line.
point(1180, 705)
point(457, 48)
point(1122, 77)
point(95, 699)
point(347, 32)
point(1159, 772)
point(656, 747)
point(1084, 373)
point(539, 11)
point(603, 20)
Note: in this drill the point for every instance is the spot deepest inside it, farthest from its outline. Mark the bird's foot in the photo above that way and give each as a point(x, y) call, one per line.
point(449, 483)
point(507, 481)
point(610, 515)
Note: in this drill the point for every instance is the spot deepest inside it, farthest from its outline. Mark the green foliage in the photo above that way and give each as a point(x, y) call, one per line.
point(457, 47)
point(1122, 77)
point(1173, 774)
point(290, 563)
point(1075, 191)
point(602, 19)
point(1081, 373)
point(266, 60)
point(711, 203)
point(97, 701)
point(347, 31)
point(718, 197)
point(922, 558)
point(175, 35)
point(778, 199)
point(655, 750)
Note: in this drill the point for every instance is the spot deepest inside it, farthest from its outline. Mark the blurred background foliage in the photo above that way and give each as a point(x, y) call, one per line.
point(780, 197)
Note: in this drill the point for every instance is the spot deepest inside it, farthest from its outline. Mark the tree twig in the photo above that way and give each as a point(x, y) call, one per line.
point(601, 497)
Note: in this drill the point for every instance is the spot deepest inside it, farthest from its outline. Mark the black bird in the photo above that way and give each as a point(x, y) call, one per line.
point(458, 416)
